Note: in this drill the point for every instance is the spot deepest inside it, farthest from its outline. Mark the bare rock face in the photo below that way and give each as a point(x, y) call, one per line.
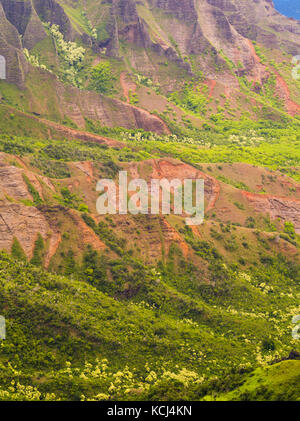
point(8, 31)
point(109, 111)
point(172, 169)
point(22, 15)
point(27, 16)
point(127, 25)
point(225, 5)
point(213, 32)
point(12, 184)
point(126, 9)
point(22, 222)
point(185, 27)
point(284, 208)
point(16, 219)
point(207, 26)
point(51, 11)
point(183, 10)
point(258, 20)
point(25, 223)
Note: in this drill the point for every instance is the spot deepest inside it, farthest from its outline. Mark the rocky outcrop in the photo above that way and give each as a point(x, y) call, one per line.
point(126, 9)
point(284, 208)
point(16, 219)
point(258, 20)
point(21, 222)
point(207, 27)
point(53, 12)
point(173, 169)
point(184, 28)
point(213, 37)
point(23, 17)
point(156, 232)
point(27, 17)
point(108, 111)
point(127, 25)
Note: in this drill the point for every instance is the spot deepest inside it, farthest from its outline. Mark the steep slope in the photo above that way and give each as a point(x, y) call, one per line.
point(197, 58)
point(276, 383)
point(43, 186)
point(68, 340)
point(10, 48)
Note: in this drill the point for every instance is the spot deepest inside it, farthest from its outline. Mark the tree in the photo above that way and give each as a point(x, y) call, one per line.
point(101, 76)
point(289, 229)
point(38, 252)
point(94, 267)
point(17, 250)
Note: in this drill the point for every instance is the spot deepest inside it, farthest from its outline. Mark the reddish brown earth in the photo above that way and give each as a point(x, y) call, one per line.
point(284, 208)
point(283, 90)
point(127, 87)
point(171, 236)
point(211, 84)
point(87, 234)
point(26, 222)
point(54, 243)
point(86, 168)
point(151, 235)
point(69, 133)
point(173, 169)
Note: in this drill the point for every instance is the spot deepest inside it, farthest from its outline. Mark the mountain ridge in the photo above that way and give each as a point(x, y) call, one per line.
point(211, 43)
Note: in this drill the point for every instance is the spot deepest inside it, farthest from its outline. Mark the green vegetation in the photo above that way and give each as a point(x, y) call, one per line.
point(71, 54)
point(101, 77)
point(108, 326)
point(37, 258)
point(34, 193)
point(236, 184)
point(192, 98)
point(17, 251)
point(52, 169)
point(276, 383)
point(190, 332)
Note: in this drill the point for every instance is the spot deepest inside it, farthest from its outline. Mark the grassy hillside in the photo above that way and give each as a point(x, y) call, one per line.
point(275, 383)
point(67, 339)
point(107, 324)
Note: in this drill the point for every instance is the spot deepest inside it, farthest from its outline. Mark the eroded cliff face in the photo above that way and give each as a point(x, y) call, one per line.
point(207, 30)
point(258, 20)
point(21, 219)
point(16, 219)
point(27, 17)
point(284, 208)
point(22, 15)
point(169, 27)
point(213, 37)
point(10, 49)
point(51, 11)
point(196, 26)
point(21, 27)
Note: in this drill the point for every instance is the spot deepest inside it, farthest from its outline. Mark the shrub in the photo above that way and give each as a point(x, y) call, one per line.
point(101, 76)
